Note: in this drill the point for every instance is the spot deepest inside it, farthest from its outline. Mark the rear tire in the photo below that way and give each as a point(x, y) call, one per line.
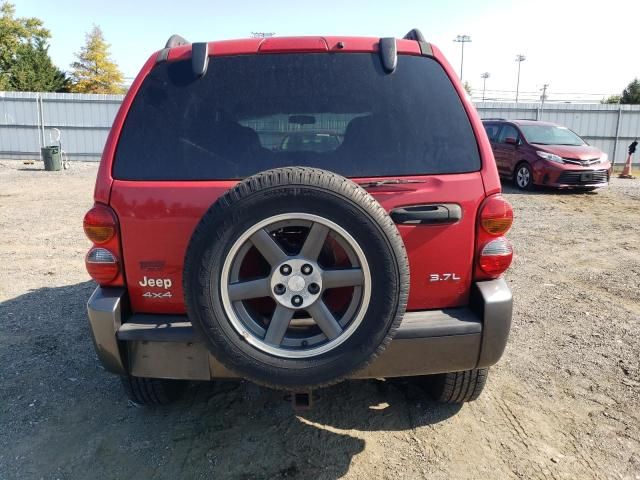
point(458, 387)
point(152, 391)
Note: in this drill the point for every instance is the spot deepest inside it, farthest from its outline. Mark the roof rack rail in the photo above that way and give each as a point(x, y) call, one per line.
point(176, 41)
point(414, 34)
point(495, 118)
point(417, 36)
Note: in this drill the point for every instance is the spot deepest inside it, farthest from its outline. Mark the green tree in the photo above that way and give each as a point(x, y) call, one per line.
point(611, 99)
point(94, 71)
point(467, 87)
point(631, 94)
point(22, 39)
point(34, 71)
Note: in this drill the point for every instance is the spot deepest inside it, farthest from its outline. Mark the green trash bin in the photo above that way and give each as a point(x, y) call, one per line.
point(51, 157)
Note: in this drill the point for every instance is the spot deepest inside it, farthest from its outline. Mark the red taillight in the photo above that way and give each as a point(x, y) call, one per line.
point(100, 224)
point(496, 256)
point(103, 260)
point(493, 255)
point(102, 265)
point(496, 216)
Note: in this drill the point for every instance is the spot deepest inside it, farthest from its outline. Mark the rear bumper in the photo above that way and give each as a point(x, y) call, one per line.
point(427, 342)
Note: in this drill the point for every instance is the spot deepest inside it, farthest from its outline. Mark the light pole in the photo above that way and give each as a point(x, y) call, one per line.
point(519, 58)
point(462, 39)
point(484, 77)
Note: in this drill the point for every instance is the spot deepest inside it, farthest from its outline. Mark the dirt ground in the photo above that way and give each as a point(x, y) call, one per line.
point(564, 402)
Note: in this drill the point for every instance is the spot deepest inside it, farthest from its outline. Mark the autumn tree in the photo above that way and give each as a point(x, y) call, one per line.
point(25, 64)
point(94, 71)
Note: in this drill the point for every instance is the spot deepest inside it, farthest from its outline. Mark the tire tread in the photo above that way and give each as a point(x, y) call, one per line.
point(458, 387)
point(319, 179)
point(152, 391)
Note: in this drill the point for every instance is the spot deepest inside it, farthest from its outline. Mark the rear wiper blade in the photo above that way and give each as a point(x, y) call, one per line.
point(389, 181)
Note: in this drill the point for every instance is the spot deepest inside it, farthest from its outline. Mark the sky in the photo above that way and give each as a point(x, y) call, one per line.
point(581, 49)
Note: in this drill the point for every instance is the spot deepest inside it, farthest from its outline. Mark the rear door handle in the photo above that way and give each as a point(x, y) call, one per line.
point(429, 214)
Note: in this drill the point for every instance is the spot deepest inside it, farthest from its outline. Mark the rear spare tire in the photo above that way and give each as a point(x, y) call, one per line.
point(295, 278)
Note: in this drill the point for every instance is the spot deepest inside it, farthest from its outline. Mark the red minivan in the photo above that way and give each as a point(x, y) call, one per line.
point(533, 153)
point(376, 253)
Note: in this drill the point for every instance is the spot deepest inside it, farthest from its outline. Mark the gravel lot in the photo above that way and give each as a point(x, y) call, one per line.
point(563, 403)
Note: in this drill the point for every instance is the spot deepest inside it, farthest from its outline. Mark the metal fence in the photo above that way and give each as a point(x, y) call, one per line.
point(28, 119)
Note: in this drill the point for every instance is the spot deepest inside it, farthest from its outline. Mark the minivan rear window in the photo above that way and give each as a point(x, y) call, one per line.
point(339, 112)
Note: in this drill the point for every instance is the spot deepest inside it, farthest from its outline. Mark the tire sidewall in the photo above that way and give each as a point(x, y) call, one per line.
point(529, 185)
point(216, 239)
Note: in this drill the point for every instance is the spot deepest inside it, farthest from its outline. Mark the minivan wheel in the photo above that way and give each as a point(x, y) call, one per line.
point(152, 391)
point(296, 278)
point(523, 177)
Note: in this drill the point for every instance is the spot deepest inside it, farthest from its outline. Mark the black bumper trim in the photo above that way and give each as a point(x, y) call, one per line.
point(426, 342)
point(423, 324)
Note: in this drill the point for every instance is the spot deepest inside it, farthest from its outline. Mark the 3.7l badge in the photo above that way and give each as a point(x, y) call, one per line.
point(443, 277)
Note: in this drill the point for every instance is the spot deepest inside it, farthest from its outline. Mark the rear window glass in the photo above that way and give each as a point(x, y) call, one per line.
point(339, 112)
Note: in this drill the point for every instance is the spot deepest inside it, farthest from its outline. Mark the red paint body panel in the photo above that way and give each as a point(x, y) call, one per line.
point(157, 218)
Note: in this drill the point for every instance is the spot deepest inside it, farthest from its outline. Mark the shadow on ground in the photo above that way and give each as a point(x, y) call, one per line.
point(62, 415)
point(508, 188)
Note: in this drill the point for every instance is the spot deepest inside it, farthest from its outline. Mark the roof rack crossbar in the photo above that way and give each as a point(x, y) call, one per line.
point(176, 41)
point(416, 35)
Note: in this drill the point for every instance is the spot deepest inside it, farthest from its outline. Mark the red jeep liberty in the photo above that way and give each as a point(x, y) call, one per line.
point(374, 252)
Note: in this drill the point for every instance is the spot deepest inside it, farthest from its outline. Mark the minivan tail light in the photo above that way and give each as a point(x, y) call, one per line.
point(496, 216)
point(100, 224)
point(102, 265)
point(496, 256)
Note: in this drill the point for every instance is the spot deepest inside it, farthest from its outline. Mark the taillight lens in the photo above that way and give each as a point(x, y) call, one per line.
point(102, 265)
point(100, 224)
point(493, 252)
point(496, 216)
point(103, 260)
point(496, 256)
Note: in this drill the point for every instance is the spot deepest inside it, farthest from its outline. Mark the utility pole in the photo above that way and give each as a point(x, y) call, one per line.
point(519, 58)
point(484, 77)
point(462, 39)
point(543, 98)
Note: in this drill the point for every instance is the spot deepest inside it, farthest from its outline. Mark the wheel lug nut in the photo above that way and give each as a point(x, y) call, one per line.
point(306, 269)
point(279, 289)
point(296, 300)
point(313, 288)
point(285, 269)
